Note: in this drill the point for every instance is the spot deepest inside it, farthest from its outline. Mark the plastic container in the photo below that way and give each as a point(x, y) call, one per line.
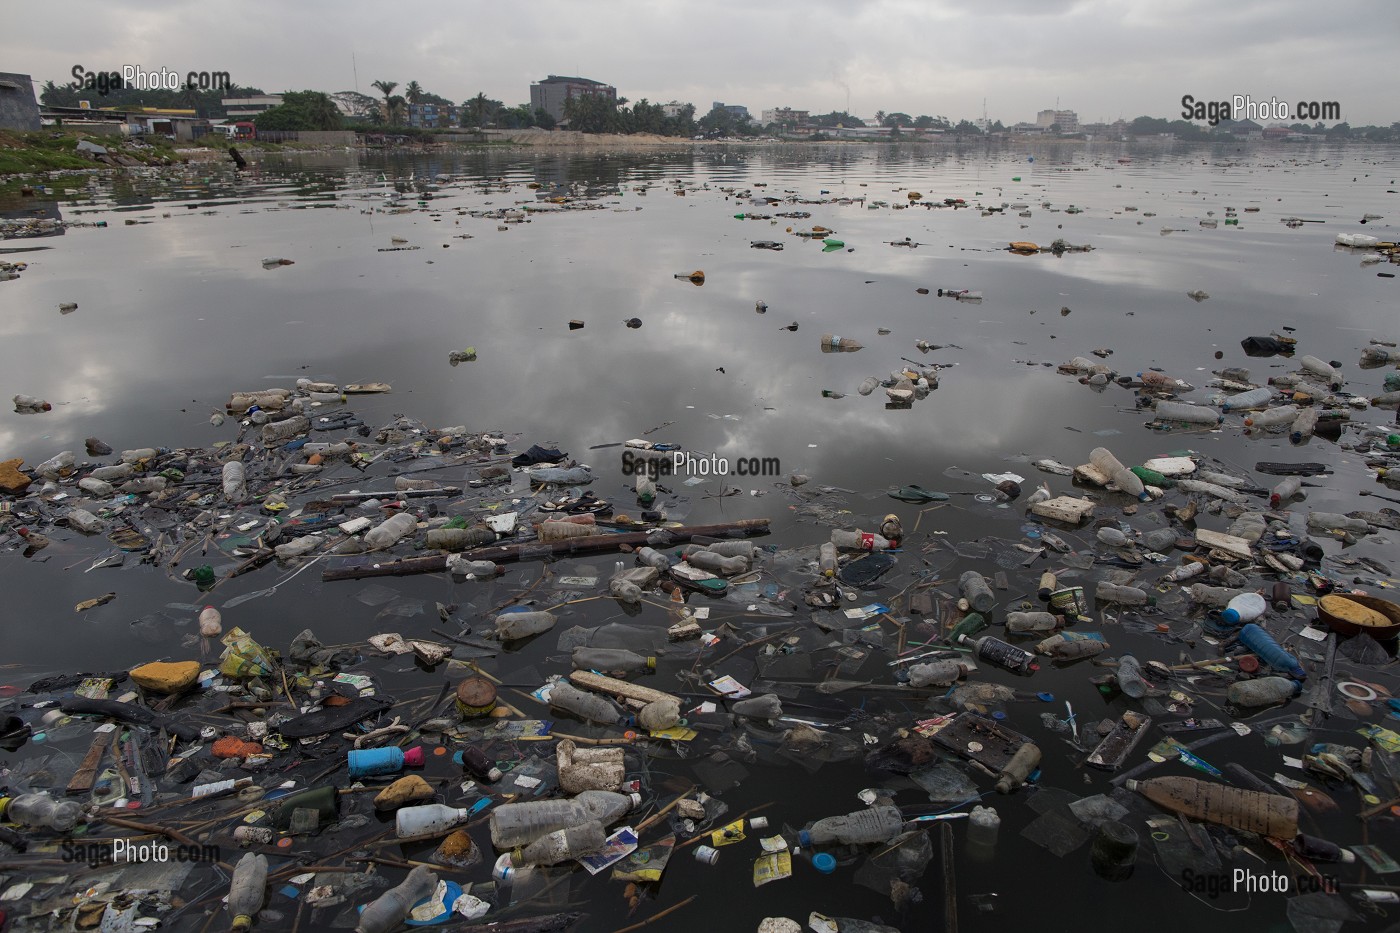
point(1031, 622)
point(368, 762)
point(211, 622)
point(1127, 481)
point(611, 659)
point(860, 541)
point(389, 910)
point(285, 430)
point(1245, 607)
point(936, 673)
point(1129, 677)
point(235, 481)
point(1262, 691)
point(562, 845)
point(827, 560)
point(983, 824)
point(969, 625)
point(1267, 650)
point(1328, 522)
point(975, 589)
point(513, 625)
point(387, 533)
point(1106, 592)
point(768, 706)
point(995, 651)
point(1243, 401)
point(518, 824)
point(878, 824)
point(1286, 491)
point(40, 811)
point(1273, 417)
point(1186, 413)
point(428, 818)
point(584, 705)
point(248, 889)
point(453, 539)
point(475, 763)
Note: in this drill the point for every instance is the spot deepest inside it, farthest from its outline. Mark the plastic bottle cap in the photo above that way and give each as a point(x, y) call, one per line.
point(804, 838)
point(651, 664)
point(1230, 617)
point(1347, 855)
point(636, 800)
point(494, 775)
point(824, 862)
point(413, 757)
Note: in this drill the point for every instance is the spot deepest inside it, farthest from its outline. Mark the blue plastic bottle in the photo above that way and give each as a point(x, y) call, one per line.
point(368, 762)
point(1267, 650)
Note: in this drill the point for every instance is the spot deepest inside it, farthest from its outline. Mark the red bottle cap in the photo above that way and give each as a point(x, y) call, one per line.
point(413, 757)
point(1249, 663)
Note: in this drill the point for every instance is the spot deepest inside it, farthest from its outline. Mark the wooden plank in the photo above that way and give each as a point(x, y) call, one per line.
point(1230, 544)
point(618, 688)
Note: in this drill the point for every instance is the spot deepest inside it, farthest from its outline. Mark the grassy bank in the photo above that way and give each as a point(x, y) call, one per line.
point(47, 150)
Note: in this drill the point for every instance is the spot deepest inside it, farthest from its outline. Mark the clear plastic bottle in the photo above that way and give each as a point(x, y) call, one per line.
point(645, 488)
point(1192, 568)
point(56, 466)
point(832, 342)
point(141, 453)
point(84, 521)
point(40, 811)
point(1112, 537)
point(285, 430)
point(1373, 356)
point(1106, 592)
point(562, 845)
point(1029, 622)
point(975, 589)
point(868, 386)
point(629, 584)
point(1126, 480)
point(1287, 490)
point(1048, 585)
point(211, 622)
point(113, 474)
point(1272, 417)
point(248, 889)
point(235, 481)
point(611, 659)
point(1064, 647)
point(388, 532)
point(583, 704)
point(1130, 679)
point(428, 818)
point(1245, 607)
point(1328, 522)
point(827, 560)
point(1254, 398)
point(297, 547)
point(1322, 369)
point(936, 673)
point(651, 557)
point(513, 625)
point(389, 910)
point(993, 650)
point(717, 563)
point(145, 484)
point(461, 568)
point(1187, 414)
point(878, 824)
point(455, 539)
point(1262, 691)
point(96, 487)
point(1216, 597)
point(29, 404)
point(518, 824)
point(659, 714)
point(860, 541)
point(1303, 426)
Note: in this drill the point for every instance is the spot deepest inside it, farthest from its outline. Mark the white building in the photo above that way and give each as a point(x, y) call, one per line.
point(1067, 119)
point(673, 109)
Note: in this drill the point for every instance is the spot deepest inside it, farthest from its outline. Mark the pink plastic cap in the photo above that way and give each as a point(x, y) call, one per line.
point(413, 757)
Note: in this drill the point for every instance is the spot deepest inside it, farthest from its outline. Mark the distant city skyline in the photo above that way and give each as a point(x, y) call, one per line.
point(943, 58)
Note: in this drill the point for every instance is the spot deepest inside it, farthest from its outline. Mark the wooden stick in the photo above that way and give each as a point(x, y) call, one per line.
point(621, 688)
point(672, 909)
point(659, 814)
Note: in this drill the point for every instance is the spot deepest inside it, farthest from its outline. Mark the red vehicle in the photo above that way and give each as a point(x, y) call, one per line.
point(245, 130)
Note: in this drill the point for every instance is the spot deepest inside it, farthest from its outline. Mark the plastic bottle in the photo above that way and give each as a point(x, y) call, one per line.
point(1286, 491)
point(860, 541)
point(454, 539)
point(983, 824)
point(878, 824)
point(389, 910)
point(247, 890)
point(428, 818)
point(1259, 641)
point(40, 811)
point(1156, 380)
point(611, 659)
point(138, 454)
point(1245, 607)
point(297, 547)
point(1254, 398)
point(651, 557)
point(1106, 592)
point(717, 563)
point(518, 824)
point(460, 568)
point(1130, 677)
point(1327, 522)
point(1272, 417)
point(627, 585)
point(768, 706)
point(832, 342)
point(1216, 597)
point(1048, 585)
point(969, 625)
point(1019, 769)
point(584, 705)
point(1321, 850)
point(936, 673)
point(1192, 568)
point(1121, 476)
point(388, 532)
point(1317, 367)
point(1065, 648)
point(645, 488)
point(868, 386)
point(995, 651)
point(1186, 413)
point(235, 482)
point(475, 763)
point(369, 762)
point(513, 625)
point(1112, 537)
point(321, 799)
point(84, 521)
point(96, 487)
point(1262, 691)
point(1026, 622)
point(114, 473)
point(1303, 426)
point(56, 466)
point(562, 845)
point(29, 404)
point(827, 560)
point(211, 622)
point(975, 589)
point(1282, 597)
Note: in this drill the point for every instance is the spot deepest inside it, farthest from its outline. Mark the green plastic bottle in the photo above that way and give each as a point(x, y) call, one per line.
point(1152, 477)
point(971, 624)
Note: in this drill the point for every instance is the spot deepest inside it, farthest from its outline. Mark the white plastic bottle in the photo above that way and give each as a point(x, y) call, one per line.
point(611, 659)
point(878, 824)
point(1286, 491)
point(1245, 607)
point(562, 845)
point(387, 533)
point(582, 704)
point(1126, 480)
point(389, 910)
point(248, 889)
point(428, 818)
point(513, 625)
point(518, 824)
point(235, 481)
point(1272, 417)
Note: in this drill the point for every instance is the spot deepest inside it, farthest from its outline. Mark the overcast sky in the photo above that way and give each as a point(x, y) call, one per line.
point(1102, 58)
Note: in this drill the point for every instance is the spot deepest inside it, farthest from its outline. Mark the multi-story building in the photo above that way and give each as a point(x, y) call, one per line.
point(550, 94)
point(245, 108)
point(673, 109)
point(737, 111)
point(1067, 120)
point(433, 116)
point(786, 116)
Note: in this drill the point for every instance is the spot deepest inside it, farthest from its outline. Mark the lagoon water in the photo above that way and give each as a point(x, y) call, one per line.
point(176, 311)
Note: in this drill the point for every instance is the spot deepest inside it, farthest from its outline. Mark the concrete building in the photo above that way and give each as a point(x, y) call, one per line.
point(434, 116)
point(1068, 120)
point(737, 111)
point(786, 115)
point(246, 108)
point(550, 94)
point(673, 109)
point(18, 108)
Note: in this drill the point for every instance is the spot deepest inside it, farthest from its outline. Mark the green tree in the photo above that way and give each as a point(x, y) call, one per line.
point(879, 118)
point(386, 88)
point(301, 110)
point(413, 93)
point(1340, 131)
point(544, 119)
point(897, 119)
point(396, 109)
point(966, 128)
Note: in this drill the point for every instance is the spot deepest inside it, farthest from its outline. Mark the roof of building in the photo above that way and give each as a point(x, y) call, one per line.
point(557, 79)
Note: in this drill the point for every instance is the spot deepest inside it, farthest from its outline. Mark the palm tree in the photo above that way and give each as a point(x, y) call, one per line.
point(413, 93)
point(396, 108)
point(879, 118)
point(386, 88)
